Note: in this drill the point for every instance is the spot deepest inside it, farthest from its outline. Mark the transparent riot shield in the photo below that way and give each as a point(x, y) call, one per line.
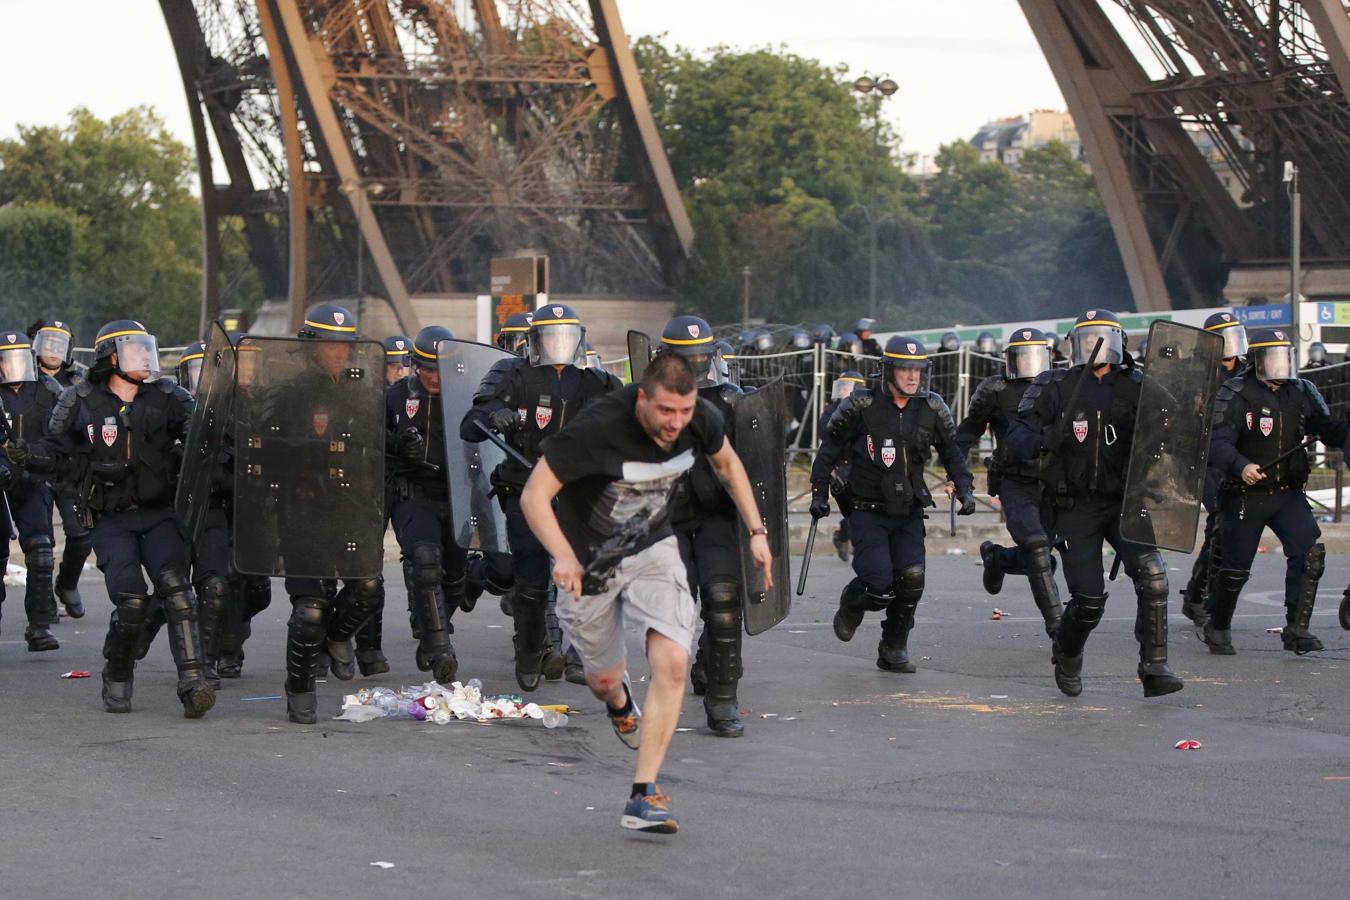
point(309, 459)
point(639, 354)
point(206, 447)
point(478, 520)
point(759, 432)
point(1166, 479)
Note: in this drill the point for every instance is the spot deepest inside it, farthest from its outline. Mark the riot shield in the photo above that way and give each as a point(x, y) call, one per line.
point(478, 520)
point(207, 432)
point(639, 354)
point(1166, 476)
point(758, 435)
point(309, 459)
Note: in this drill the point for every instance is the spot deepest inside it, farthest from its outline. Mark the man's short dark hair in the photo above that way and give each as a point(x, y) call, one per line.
point(666, 370)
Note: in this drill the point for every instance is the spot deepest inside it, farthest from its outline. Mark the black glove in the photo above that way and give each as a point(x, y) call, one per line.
point(504, 421)
point(967, 501)
point(8, 477)
point(820, 501)
point(17, 452)
point(411, 445)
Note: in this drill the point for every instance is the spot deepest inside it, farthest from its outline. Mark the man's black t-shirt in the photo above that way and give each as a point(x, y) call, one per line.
point(617, 481)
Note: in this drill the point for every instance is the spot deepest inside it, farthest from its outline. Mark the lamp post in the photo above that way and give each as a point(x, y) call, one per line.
point(1295, 251)
point(883, 86)
point(745, 297)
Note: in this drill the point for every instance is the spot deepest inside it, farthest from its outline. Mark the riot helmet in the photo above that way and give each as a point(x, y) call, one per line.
point(556, 336)
point(1233, 332)
point(1272, 355)
point(904, 355)
point(762, 342)
point(1091, 328)
point(189, 370)
point(248, 359)
point(1027, 354)
point(136, 349)
point(514, 333)
point(691, 339)
point(593, 360)
point(822, 334)
point(53, 344)
point(864, 325)
point(17, 363)
point(951, 341)
point(725, 360)
point(798, 339)
point(846, 384)
point(1317, 354)
point(397, 350)
point(328, 322)
point(986, 343)
point(426, 354)
point(851, 344)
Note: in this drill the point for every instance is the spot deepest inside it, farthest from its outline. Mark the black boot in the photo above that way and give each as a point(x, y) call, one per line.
point(154, 621)
point(531, 640)
point(434, 652)
point(233, 630)
point(1224, 590)
point(410, 588)
point(1041, 578)
point(893, 649)
point(855, 600)
point(358, 602)
point(553, 664)
point(68, 575)
point(213, 599)
point(841, 542)
point(1299, 607)
point(1150, 629)
point(119, 649)
point(723, 660)
point(698, 672)
point(574, 672)
point(1082, 615)
point(39, 601)
point(185, 643)
point(305, 633)
point(370, 658)
point(993, 575)
point(1195, 600)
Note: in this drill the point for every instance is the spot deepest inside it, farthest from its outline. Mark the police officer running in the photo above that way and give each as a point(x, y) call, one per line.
point(889, 433)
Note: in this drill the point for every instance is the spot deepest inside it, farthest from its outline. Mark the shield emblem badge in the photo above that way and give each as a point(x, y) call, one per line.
point(1026, 335)
point(400, 345)
point(1092, 314)
point(871, 450)
point(411, 406)
point(558, 312)
point(888, 455)
point(1249, 421)
point(339, 317)
point(89, 432)
point(109, 435)
point(1267, 426)
point(320, 423)
point(693, 330)
point(912, 349)
point(542, 416)
point(1080, 429)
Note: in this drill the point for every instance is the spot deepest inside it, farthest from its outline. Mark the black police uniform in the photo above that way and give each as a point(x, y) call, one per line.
point(888, 448)
point(1254, 423)
point(704, 519)
point(77, 547)
point(838, 485)
point(27, 408)
point(122, 455)
point(1084, 464)
point(1017, 484)
point(542, 400)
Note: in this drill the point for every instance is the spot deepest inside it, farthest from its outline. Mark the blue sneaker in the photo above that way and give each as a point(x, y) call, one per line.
point(650, 813)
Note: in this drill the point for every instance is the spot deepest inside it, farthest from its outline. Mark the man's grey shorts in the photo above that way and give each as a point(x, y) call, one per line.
point(647, 590)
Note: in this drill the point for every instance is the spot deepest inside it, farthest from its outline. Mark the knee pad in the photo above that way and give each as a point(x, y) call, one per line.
point(307, 619)
point(875, 600)
point(1151, 576)
point(40, 558)
point(78, 544)
point(257, 595)
point(175, 590)
point(909, 583)
point(426, 564)
point(366, 590)
point(1230, 580)
point(530, 597)
point(132, 609)
point(1087, 609)
point(213, 593)
point(1314, 561)
point(722, 603)
point(1037, 549)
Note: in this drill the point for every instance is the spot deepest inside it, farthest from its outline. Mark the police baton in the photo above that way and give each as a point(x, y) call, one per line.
point(806, 556)
point(507, 448)
point(13, 529)
point(953, 516)
point(1115, 567)
point(1265, 470)
point(1067, 410)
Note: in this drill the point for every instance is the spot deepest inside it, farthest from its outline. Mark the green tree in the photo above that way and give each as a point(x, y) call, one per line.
point(37, 261)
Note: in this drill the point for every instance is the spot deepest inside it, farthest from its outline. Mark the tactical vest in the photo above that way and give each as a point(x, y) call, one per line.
point(131, 461)
point(410, 406)
point(701, 494)
point(1273, 424)
point(544, 400)
point(28, 409)
point(897, 444)
point(1094, 453)
point(1005, 411)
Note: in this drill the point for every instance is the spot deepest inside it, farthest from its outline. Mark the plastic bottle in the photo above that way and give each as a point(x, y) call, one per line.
point(441, 717)
point(554, 719)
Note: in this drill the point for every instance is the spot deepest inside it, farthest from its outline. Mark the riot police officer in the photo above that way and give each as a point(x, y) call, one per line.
point(889, 433)
point(1317, 356)
point(27, 401)
point(54, 349)
point(1014, 481)
point(514, 334)
point(525, 401)
point(1261, 419)
point(862, 329)
point(847, 382)
point(1195, 596)
point(114, 434)
point(434, 565)
point(189, 369)
point(704, 519)
point(1082, 420)
point(397, 358)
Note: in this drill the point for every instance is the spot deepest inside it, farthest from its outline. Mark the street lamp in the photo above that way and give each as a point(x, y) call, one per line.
point(745, 297)
point(362, 203)
point(883, 86)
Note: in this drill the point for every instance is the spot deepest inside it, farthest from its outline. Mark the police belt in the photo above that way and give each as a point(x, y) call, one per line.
point(406, 488)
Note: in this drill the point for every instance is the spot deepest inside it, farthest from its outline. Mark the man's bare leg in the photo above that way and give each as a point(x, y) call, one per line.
point(669, 663)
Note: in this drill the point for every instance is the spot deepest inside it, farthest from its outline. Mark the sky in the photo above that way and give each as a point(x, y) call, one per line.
point(958, 63)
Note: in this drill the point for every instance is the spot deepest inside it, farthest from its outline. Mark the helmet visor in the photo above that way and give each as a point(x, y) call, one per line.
point(52, 347)
point(1028, 360)
point(1274, 363)
point(911, 379)
point(246, 366)
point(17, 365)
point(190, 374)
point(843, 387)
point(1234, 341)
point(1082, 341)
point(556, 345)
point(137, 355)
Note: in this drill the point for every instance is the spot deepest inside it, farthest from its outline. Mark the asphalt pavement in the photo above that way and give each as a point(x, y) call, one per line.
point(974, 777)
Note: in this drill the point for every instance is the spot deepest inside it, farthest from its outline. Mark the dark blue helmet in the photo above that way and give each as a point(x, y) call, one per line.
point(190, 365)
point(398, 350)
point(822, 333)
point(1093, 327)
point(1272, 354)
point(52, 338)
point(1233, 332)
point(798, 339)
point(951, 341)
point(425, 351)
point(328, 322)
point(1027, 354)
point(692, 339)
point(906, 353)
point(556, 337)
point(864, 324)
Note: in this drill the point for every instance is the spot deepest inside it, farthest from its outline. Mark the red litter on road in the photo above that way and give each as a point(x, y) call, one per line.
point(998, 614)
point(75, 675)
point(1188, 745)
